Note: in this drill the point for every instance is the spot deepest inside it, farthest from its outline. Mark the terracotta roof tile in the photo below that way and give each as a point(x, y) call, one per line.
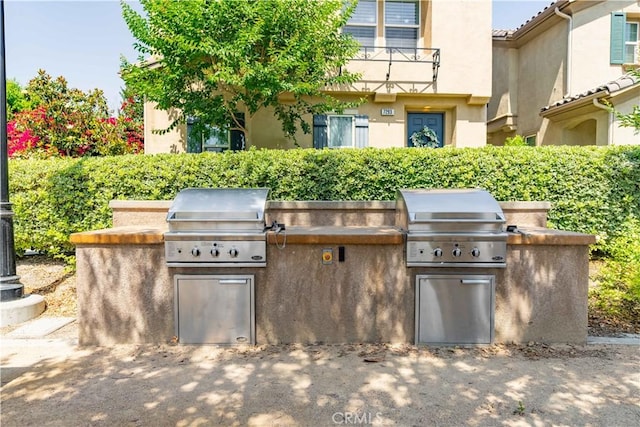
point(613, 86)
point(502, 33)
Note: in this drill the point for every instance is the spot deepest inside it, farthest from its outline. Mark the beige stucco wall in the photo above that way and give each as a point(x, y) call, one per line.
point(465, 125)
point(462, 30)
point(543, 76)
point(123, 301)
point(586, 125)
point(527, 79)
point(153, 213)
point(540, 76)
point(625, 104)
point(504, 101)
point(591, 44)
point(170, 142)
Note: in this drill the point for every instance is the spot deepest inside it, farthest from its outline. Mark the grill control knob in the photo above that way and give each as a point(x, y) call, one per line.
point(195, 252)
point(215, 252)
point(233, 252)
point(456, 252)
point(437, 252)
point(475, 252)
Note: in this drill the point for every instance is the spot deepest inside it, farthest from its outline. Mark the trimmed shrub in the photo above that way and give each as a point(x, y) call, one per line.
point(592, 189)
point(618, 293)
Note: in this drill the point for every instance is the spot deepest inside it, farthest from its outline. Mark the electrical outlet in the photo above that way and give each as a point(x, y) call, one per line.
point(327, 256)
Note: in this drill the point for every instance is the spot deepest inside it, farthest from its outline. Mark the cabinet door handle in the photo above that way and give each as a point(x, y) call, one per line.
point(475, 281)
point(233, 281)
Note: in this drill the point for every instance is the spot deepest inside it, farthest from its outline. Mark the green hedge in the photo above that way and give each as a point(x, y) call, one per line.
point(592, 190)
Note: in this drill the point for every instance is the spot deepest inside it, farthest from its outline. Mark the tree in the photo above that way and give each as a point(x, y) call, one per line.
point(16, 99)
point(132, 104)
point(131, 117)
point(213, 59)
point(64, 121)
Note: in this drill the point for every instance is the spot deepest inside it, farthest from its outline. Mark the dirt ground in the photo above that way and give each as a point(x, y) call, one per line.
point(56, 384)
point(52, 382)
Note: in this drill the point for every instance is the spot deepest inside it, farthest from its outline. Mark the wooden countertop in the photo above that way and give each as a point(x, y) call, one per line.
point(137, 235)
point(549, 236)
point(338, 236)
point(131, 235)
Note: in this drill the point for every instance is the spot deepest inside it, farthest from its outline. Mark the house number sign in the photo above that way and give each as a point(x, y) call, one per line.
point(387, 111)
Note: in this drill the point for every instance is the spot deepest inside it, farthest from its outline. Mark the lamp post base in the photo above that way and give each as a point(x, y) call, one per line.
point(10, 288)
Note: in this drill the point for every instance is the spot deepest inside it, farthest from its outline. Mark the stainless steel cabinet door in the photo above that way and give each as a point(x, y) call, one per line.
point(215, 309)
point(452, 309)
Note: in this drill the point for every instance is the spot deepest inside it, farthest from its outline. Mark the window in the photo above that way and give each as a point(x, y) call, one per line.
point(401, 23)
point(631, 43)
point(215, 138)
point(218, 139)
point(340, 131)
point(530, 140)
point(362, 24)
point(197, 142)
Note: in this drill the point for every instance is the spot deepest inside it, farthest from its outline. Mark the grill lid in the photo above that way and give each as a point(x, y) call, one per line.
point(448, 210)
point(208, 209)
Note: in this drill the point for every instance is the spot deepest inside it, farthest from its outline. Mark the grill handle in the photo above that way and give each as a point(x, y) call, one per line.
point(233, 281)
point(475, 281)
point(420, 218)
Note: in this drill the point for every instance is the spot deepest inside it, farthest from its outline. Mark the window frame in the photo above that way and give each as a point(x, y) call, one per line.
point(530, 140)
point(353, 130)
point(635, 43)
point(373, 25)
point(215, 147)
point(416, 26)
point(204, 147)
point(321, 129)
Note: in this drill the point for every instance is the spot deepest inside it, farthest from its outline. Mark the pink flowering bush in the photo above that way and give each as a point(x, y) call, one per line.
point(69, 122)
point(19, 141)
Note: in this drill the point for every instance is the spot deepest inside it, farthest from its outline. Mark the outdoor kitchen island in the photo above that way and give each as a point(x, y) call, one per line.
point(336, 274)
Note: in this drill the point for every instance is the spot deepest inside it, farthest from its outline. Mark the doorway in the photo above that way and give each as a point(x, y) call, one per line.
point(417, 121)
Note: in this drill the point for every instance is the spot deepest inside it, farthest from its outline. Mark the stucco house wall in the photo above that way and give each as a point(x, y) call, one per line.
point(460, 29)
point(591, 44)
point(546, 79)
point(540, 76)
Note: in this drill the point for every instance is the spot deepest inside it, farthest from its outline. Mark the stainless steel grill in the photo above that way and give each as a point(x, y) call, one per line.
point(217, 227)
point(452, 228)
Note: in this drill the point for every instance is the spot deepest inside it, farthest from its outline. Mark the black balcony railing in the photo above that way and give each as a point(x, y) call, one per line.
point(393, 54)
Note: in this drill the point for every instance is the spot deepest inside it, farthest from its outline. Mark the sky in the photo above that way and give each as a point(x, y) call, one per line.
point(83, 40)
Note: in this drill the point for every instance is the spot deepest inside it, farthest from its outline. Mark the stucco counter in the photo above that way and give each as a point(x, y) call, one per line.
point(125, 290)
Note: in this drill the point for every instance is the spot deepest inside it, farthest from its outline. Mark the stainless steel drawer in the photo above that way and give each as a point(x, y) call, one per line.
point(216, 309)
point(455, 309)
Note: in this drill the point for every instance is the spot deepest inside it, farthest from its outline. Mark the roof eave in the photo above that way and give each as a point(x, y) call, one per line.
point(545, 19)
point(572, 105)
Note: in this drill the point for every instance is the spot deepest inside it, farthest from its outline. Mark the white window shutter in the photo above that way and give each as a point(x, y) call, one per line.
point(362, 131)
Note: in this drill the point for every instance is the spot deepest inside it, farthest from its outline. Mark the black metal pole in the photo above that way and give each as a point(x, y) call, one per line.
point(10, 286)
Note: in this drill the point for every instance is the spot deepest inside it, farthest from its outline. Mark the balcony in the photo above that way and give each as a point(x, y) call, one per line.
point(418, 73)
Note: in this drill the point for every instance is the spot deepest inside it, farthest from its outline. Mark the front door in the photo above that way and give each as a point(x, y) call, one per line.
point(417, 121)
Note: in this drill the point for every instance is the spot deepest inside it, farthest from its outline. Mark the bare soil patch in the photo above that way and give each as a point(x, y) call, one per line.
point(52, 279)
